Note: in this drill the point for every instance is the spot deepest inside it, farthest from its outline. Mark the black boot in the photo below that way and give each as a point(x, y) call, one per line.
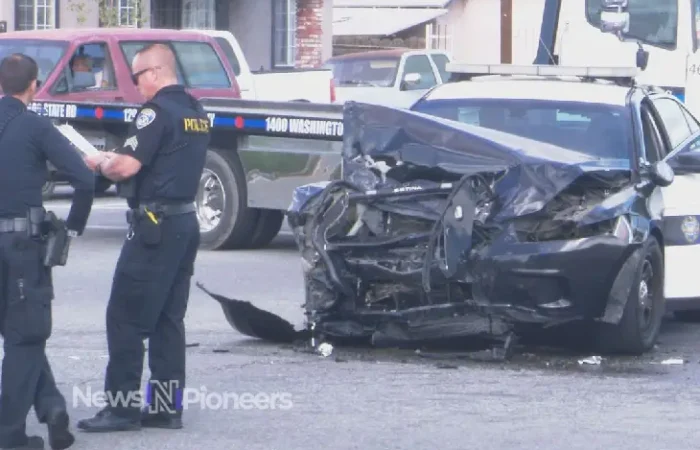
point(60, 438)
point(106, 421)
point(33, 443)
point(160, 420)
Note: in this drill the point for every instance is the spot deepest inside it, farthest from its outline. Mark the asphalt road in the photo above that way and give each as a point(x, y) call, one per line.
point(364, 399)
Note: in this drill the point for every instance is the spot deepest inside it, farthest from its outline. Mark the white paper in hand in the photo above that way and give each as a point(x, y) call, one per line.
point(77, 139)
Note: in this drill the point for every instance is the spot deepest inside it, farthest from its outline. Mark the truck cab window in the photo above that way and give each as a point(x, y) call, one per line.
point(651, 21)
point(421, 65)
point(130, 48)
point(89, 69)
point(230, 54)
point(202, 66)
point(441, 61)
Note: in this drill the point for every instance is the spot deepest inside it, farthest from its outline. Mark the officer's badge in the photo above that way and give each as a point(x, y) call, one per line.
point(690, 228)
point(145, 118)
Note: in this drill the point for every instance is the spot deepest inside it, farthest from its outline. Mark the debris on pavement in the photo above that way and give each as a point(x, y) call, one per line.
point(673, 362)
point(591, 360)
point(194, 344)
point(325, 349)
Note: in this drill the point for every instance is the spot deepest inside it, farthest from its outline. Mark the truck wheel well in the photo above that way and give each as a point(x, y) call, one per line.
point(656, 232)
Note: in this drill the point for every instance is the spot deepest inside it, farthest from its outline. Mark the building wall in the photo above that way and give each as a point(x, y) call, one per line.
point(327, 30)
point(253, 35)
point(7, 14)
point(310, 15)
point(475, 30)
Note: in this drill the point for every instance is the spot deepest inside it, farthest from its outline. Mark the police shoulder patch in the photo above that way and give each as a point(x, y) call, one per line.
point(145, 118)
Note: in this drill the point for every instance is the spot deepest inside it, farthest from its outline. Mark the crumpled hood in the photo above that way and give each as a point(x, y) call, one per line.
point(412, 146)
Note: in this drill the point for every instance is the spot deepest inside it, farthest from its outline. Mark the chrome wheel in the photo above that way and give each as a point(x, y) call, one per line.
point(646, 293)
point(211, 199)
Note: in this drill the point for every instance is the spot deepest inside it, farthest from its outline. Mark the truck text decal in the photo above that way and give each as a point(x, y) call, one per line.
point(250, 123)
point(58, 110)
point(304, 126)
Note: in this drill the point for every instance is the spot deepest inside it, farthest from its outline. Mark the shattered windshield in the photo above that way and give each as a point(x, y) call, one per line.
point(601, 131)
point(375, 72)
point(47, 54)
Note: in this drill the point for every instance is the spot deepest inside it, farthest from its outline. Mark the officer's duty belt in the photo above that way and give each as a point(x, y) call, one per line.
point(163, 210)
point(13, 225)
point(169, 209)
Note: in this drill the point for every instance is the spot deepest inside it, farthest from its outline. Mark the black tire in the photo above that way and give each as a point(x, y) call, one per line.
point(237, 221)
point(267, 229)
point(639, 327)
point(102, 185)
point(48, 190)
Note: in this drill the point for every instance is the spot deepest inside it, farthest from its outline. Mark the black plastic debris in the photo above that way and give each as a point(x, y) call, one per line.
point(254, 322)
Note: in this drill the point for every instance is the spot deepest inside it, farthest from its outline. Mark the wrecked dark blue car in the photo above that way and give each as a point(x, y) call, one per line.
point(442, 229)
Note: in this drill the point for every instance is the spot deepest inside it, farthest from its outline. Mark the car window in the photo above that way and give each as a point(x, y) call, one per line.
point(89, 69)
point(130, 48)
point(230, 55)
point(441, 61)
point(202, 66)
point(599, 130)
point(419, 64)
point(652, 21)
point(653, 143)
point(673, 120)
point(364, 71)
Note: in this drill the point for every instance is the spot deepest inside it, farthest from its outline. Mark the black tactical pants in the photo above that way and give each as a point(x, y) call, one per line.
point(26, 293)
point(149, 298)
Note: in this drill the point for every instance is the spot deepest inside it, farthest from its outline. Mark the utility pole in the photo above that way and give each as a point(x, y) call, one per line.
point(506, 31)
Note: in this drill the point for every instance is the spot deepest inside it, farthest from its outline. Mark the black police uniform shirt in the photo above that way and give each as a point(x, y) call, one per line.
point(26, 144)
point(169, 137)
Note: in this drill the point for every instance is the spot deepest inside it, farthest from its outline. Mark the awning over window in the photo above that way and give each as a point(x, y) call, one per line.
point(380, 21)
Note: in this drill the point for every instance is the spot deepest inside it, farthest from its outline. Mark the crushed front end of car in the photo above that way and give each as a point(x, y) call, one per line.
point(440, 230)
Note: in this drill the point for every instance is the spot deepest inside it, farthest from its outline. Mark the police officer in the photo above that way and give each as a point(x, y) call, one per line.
point(27, 142)
point(158, 170)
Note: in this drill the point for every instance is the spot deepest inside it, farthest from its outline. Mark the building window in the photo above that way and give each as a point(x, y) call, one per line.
point(198, 14)
point(127, 13)
point(35, 14)
point(284, 32)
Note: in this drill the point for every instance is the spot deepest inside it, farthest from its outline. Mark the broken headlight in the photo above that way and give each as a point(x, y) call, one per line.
point(550, 230)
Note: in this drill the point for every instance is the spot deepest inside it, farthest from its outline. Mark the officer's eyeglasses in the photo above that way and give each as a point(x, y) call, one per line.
point(135, 76)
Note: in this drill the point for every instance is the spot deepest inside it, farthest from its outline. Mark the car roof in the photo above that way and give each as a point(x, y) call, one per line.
point(533, 88)
point(394, 52)
point(71, 34)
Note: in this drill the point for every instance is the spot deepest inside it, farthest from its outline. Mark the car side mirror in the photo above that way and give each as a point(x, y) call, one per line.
point(661, 174)
point(410, 80)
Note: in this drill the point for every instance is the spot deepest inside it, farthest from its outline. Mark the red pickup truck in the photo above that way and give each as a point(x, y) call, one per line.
point(94, 65)
point(259, 151)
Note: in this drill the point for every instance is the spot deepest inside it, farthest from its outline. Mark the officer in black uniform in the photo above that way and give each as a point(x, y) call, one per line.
point(27, 142)
point(158, 170)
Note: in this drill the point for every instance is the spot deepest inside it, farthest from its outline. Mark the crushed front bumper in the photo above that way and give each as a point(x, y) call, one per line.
point(442, 272)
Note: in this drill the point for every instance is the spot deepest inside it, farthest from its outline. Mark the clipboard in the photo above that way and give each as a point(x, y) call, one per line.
point(77, 140)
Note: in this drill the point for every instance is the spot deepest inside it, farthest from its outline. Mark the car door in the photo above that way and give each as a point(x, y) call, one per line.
point(680, 133)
